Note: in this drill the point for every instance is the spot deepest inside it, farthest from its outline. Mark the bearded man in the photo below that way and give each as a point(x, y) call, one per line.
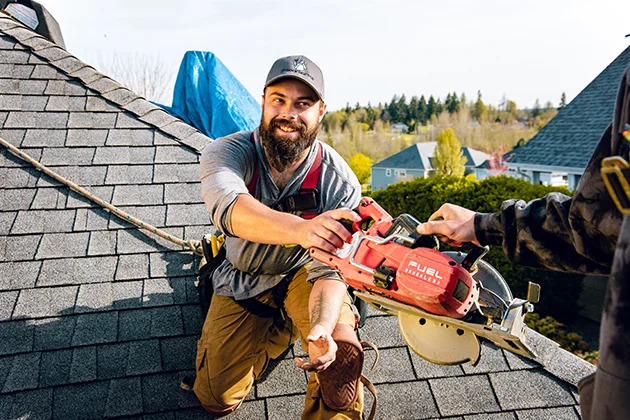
point(253, 184)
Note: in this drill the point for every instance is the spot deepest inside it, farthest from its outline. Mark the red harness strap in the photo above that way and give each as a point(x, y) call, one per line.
point(309, 183)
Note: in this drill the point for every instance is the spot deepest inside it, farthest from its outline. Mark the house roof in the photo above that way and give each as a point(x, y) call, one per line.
point(569, 139)
point(420, 156)
point(99, 319)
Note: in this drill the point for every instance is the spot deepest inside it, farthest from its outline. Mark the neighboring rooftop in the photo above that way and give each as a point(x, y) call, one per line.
point(99, 319)
point(420, 155)
point(569, 139)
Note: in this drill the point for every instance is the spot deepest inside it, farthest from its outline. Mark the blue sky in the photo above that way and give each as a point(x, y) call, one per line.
point(369, 50)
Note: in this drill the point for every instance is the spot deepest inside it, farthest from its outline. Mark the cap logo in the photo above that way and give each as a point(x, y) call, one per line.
point(299, 64)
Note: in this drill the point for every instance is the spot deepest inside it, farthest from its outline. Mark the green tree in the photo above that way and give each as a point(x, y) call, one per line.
point(360, 165)
point(480, 110)
point(448, 158)
point(563, 101)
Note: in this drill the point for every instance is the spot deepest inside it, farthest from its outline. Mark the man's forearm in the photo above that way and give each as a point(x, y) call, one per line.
point(325, 303)
point(255, 222)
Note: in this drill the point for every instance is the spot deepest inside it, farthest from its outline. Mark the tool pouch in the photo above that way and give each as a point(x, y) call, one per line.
point(214, 254)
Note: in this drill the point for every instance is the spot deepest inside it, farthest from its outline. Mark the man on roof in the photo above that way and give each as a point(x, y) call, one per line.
point(267, 191)
point(583, 234)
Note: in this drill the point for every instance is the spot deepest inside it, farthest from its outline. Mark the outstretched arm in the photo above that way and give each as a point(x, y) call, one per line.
point(324, 306)
point(452, 224)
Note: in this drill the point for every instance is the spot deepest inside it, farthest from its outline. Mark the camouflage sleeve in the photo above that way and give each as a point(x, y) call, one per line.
point(575, 234)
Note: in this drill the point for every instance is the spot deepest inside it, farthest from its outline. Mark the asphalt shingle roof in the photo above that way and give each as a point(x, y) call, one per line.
point(99, 319)
point(569, 139)
point(420, 156)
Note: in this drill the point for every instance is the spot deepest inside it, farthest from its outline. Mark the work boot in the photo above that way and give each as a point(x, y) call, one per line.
point(339, 383)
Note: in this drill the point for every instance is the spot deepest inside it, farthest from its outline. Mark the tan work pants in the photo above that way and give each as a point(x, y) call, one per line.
point(236, 346)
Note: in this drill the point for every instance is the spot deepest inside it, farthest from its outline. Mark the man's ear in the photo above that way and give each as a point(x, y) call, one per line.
point(322, 110)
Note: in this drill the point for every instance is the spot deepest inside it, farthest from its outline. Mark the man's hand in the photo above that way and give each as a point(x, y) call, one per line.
point(453, 225)
point(325, 232)
point(321, 350)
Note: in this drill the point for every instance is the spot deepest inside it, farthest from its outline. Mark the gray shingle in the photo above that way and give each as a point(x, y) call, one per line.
point(124, 155)
point(163, 139)
point(518, 363)
point(144, 357)
point(184, 290)
point(43, 71)
point(127, 294)
point(7, 302)
point(75, 200)
point(193, 319)
point(394, 365)
point(94, 297)
point(134, 266)
point(55, 368)
point(130, 137)
point(67, 156)
point(182, 193)
point(87, 74)
point(541, 390)
point(79, 402)
point(158, 118)
point(96, 104)
point(127, 174)
point(384, 330)
point(62, 87)
point(44, 138)
point(102, 243)
point(140, 106)
point(9, 86)
point(157, 292)
point(10, 102)
point(134, 325)
point(16, 199)
point(66, 103)
point(21, 71)
point(45, 302)
point(83, 367)
point(187, 214)
point(125, 195)
point(197, 141)
point(28, 119)
point(135, 241)
point(179, 129)
point(491, 416)
point(121, 96)
point(77, 271)
point(492, 360)
point(6, 221)
point(176, 173)
point(395, 400)
point(279, 408)
point(169, 264)
point(453, 395)
point(103, 85)
point(35, 404)
point(91, 120)
point(69, 64)
point(48, 198)
point(174, 154)
point(112, 360)
point(18, 177)
point(124, 397)
point(179, 353)
point(160, 392)
point(32, 87)
point(24, 372)
point(287, 378)
point(53, 333)
point(95, 328)
point(85, 176)
point(63, 245)
point(166, 321)
point(15, 137)
point(14, 57)
point(560, 413)
point(43, 221)
point(34, 103)
point(15, 337)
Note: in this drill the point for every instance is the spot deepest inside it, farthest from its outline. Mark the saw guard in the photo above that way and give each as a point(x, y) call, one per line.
point(509, 335)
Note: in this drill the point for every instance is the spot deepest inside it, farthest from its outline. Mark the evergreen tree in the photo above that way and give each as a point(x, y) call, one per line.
point(448, 158)
point(430, 107)
point(453, 105)
point(422, 110)
point(402, 109)
point(480, 110)
point(563, 101)
point(412, 109)
point(536, 111)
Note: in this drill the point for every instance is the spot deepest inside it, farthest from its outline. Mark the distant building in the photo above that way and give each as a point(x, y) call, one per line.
point(416, 162)
point(559, 153)
point(398, 128)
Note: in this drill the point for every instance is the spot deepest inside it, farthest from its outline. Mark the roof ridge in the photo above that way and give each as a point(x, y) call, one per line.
point(105, 86)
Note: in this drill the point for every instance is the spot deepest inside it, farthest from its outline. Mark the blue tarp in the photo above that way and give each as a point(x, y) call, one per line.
point(209, 97)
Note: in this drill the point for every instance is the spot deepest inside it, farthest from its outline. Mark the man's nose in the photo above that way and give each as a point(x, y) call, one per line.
point(289, 112)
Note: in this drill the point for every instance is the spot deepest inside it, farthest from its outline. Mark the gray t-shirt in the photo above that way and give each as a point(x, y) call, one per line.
point(227, 166)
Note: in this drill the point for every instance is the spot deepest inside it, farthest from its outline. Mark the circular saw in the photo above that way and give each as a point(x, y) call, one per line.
point(446, 302)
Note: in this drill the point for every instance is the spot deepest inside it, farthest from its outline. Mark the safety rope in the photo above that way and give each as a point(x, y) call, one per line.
point(194, 246)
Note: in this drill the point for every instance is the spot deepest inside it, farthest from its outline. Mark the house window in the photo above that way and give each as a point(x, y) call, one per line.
point(396, 172)
point(388, 172)
point(403, 172)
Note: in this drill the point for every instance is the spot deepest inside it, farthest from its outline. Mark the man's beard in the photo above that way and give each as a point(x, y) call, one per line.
point(283, 152)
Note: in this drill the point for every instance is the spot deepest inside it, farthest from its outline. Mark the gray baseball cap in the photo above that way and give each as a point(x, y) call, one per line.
point(298, 67)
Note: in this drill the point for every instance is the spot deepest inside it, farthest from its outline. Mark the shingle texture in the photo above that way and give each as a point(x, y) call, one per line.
point(99, 319)
point(569, 139)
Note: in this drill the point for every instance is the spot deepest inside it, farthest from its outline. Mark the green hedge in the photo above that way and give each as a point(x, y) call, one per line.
point(422, 196)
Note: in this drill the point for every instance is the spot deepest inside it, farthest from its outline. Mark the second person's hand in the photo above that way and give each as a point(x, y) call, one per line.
point(453, 225)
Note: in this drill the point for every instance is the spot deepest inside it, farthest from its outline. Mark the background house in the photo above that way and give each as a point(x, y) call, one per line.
point(416, 162)
point(559, 153)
